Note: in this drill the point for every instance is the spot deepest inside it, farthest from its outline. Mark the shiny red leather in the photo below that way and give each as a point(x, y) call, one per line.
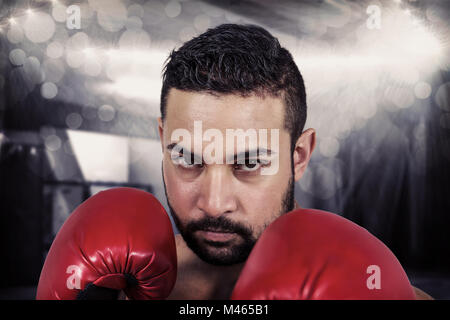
point(316, 255)
point(115, 232)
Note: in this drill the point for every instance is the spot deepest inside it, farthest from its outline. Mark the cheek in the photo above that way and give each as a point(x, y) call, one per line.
point(262, 203)
point(180, 193)
point(261, 199)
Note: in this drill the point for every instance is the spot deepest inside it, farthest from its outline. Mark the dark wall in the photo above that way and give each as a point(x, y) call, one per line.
point(20, 207)
point(395, 175)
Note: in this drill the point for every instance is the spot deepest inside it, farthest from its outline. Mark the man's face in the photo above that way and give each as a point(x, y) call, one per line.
point(221, 209)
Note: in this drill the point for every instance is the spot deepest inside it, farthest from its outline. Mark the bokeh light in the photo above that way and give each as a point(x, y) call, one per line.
point(49, 90)
point(173, 9)
point(106, 113)
point(53, 69)
point(133, 22)
point(329, 147)
point(422, 90)
point(136, 10)
point(52, 142)
point(111, 15)
point(39, 27)
point(55, 50)
point(32, 68)
point(74, 120)
point(59, 12)
point(17, 57)
point(15, 33)
point(442, 96)
point(187, 33)
point(75, 46)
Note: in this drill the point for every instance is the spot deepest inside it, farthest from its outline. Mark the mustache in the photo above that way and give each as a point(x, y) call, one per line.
point(220, 224)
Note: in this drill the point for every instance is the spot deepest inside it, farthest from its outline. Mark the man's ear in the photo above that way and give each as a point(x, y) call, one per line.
point(161, 133)
point(302, 152)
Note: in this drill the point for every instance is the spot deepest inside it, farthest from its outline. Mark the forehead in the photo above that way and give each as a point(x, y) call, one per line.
point(223, 111)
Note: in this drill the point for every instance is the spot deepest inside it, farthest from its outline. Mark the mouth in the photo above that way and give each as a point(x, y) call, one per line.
point(217, 235)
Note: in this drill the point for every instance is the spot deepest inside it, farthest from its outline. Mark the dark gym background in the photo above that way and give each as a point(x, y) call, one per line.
point(78, 111)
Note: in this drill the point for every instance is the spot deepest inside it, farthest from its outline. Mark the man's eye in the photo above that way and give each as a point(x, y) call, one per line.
point(250, 165)
point(185, 162)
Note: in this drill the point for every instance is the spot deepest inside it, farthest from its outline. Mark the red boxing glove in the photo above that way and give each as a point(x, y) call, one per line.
point(118, 239)
point(317, 255)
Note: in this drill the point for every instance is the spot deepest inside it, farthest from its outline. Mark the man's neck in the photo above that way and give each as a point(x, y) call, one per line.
point(198, 279)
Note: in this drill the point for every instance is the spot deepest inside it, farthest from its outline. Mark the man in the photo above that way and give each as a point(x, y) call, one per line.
point(232, 76)
point(231, 83)
point(229, 77)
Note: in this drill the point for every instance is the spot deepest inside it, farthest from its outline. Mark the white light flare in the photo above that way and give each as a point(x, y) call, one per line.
point(134, 75)
point(398, 47)
point(348, 79)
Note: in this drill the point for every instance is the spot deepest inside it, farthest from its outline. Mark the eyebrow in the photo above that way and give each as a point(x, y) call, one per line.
point(246, 154)
point(241, 155)
point(196, 158)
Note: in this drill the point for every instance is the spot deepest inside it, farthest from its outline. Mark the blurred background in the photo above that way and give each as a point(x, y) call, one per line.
point(79, 96)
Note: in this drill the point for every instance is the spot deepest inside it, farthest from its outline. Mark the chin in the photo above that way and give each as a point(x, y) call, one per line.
point(220, 253)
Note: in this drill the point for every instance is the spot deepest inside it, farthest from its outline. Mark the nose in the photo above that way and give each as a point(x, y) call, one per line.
point(216, 195)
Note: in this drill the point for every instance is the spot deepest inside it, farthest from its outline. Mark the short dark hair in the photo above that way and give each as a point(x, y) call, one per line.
point(238, 59)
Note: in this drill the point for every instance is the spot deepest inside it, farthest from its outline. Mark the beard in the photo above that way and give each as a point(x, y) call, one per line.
point(224, 253)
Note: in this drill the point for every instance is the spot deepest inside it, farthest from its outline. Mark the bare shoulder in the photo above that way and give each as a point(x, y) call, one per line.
point(185, 255)
point(179, 242)
point(190, 282)
point(421, 295)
